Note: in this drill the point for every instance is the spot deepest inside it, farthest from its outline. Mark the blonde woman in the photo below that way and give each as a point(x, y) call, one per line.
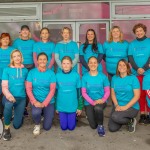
point(13, 88)
point(115, 49)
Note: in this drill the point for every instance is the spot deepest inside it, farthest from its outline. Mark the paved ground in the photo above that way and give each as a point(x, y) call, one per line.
point(82, 138)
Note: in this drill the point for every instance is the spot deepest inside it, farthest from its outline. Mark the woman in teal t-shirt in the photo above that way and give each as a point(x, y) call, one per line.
point(125, 93)
point(13, 87)
point(40, 86)
point(68, 92)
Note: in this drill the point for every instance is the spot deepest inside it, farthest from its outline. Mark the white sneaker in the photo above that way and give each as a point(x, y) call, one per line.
point(36, 130)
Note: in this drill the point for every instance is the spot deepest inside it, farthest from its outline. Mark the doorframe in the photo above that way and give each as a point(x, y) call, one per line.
point(91, 22)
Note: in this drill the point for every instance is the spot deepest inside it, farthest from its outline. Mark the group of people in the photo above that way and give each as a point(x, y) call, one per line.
point(27, 74)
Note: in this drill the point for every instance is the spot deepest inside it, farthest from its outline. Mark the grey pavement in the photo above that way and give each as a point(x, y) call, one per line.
point(82, 138)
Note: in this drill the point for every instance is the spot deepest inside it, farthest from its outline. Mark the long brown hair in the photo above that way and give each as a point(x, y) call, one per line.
point(127, 65)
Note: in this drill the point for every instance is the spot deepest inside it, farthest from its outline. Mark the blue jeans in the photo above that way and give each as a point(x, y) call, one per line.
point(67, 120)
point(48, 114)
point(18, 106)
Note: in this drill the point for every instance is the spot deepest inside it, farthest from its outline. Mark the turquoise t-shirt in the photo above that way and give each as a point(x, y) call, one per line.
point(123, 88)
point(67, 85)
point(140, 50)
point(115, 51)
point(47, 48)
point(26, 48)
point(16, 80)
point(5, 58)
point(88, 53)
point(146, 86)
point(67, 49)
point(94, 85)
point(41, 83)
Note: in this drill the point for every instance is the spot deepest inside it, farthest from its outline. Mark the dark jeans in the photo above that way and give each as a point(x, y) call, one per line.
point(95, 114)
point(18, 106)
point(48, 114)
point(119, 118)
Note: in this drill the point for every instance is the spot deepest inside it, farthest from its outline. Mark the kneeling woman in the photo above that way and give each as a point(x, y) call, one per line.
point(95, 90)
point(13, 88)
point(68, 92)
point(40, 86)
point(125, 93)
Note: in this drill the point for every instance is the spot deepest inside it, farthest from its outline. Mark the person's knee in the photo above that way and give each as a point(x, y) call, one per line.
point(93, 126)
point(47, 127)
point(71, 127)
point(36, 113)
point(112, 129)
point(17, 126)
point(114, 117)
point(64, 127)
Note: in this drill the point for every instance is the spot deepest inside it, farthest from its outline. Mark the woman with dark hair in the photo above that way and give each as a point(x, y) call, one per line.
point(90, 48)
point(114, 49)
point(44, 46)
point(40, 86)
point(5, 51)
point(139, 57)
point(95, 90)
point(125, 93)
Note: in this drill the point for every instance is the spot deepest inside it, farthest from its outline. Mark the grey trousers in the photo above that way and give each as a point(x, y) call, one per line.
point(119, 118)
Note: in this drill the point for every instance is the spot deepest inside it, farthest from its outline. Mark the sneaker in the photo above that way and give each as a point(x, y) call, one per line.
point(26, 113)
point(142, 119)
point(36, 130)
point(132, 125)
point(101, 130)
point(147, 120)
point(6, 135)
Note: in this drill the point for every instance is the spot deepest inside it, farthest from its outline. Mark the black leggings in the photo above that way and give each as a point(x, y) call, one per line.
point(95, 114)
point(119, 118)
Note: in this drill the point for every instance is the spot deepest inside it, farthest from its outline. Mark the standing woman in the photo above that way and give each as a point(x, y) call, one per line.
point(13, 87)
point(95, 90)
point(146, 87)
point(114, 49)
point(68, 92)
point(90, 48)
point(5, 51)
point(44, 46)
point(66, 47)
point(25, 44)
point(40, 86)
point(139, 57)
point(125, 93)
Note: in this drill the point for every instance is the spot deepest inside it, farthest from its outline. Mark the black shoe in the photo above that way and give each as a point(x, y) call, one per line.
point(147, 120)
point(142, 119)
point(132, 125)
point(6, 135)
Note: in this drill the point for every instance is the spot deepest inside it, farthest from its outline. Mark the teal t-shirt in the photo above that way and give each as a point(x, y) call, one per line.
point(114, 51)
point(123, 88)
point(67, 49)
point(94, 85)
point(41, 83)
point(16, 80)
point(5, 58)
point(89, 53)
point(146, 86)
point(47, 48)
point(67, 85)
point(140, 50)
point(26, 48)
